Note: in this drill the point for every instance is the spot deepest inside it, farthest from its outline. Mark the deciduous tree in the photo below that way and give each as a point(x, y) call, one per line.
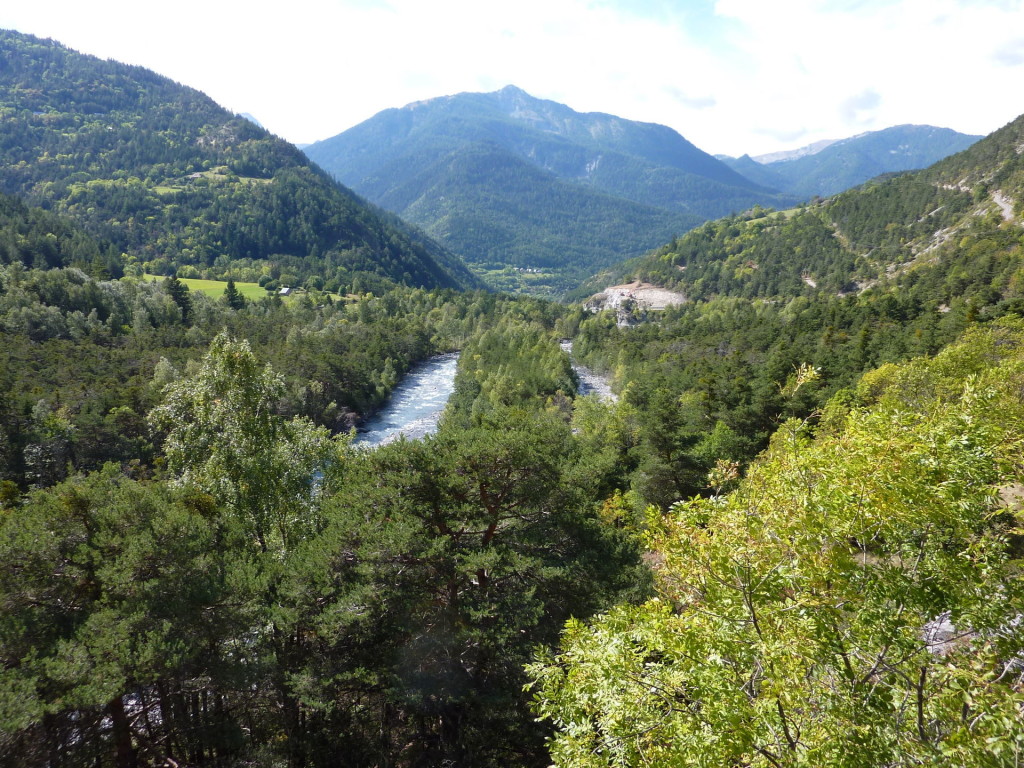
point(855, 602)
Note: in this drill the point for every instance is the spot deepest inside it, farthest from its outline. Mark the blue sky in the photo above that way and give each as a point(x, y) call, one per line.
point(732, 76)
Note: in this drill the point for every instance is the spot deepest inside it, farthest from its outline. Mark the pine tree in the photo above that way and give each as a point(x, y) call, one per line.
point(234, 299)
point(178, 291)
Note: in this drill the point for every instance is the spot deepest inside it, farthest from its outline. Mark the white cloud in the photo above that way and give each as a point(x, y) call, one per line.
point(690, 101)
point(860, 109)
point(1010, 54)
point(732, 76)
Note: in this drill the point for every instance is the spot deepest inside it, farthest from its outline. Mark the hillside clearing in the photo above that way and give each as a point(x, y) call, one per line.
point(215, 288)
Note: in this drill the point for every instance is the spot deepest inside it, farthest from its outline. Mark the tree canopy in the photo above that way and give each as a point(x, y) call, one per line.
point(853, 602)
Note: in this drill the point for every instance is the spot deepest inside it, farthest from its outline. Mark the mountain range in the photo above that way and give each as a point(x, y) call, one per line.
point(935, 240)
point(504, 178)
point(828, 167)
point(173, 180)
point(781, 542)
point(535, 195)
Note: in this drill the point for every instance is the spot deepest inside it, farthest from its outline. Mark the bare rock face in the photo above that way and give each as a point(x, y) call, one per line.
point(632, 301)
point(940, 634)
point(642, 295)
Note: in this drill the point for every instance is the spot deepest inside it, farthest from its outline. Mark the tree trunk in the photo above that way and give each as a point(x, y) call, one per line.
point(124, 750)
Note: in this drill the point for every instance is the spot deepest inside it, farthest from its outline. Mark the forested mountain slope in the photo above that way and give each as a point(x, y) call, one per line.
point(172, 179)
point(947, 234)
point(505, 178)
point(852, 597)
point(500, 209)
point(846, 163)
point(43, 240)
point(892, 270)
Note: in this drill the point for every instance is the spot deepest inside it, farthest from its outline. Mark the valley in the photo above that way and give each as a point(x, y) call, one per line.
point(742, 497)
point(536, 197)
point(508, 180)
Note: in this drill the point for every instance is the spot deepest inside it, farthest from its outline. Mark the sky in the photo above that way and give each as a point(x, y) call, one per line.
point(732, 76)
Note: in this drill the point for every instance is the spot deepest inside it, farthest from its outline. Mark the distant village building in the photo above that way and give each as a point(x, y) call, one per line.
point(285, 292)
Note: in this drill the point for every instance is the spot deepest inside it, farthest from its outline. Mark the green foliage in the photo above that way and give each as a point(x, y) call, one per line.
point(42, 240)
point(375, 604)
point(179, 294)
point(232, 297)
point(237, 588)
point(517, 363)
point(115, 597)
point(91, 348)
point(444, 563)
point(879, 274)
point(170, 178)
point(225, 438)
point(853, 602)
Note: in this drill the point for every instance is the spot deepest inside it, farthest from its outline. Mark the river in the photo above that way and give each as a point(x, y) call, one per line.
point(591, 383)
point(415, 405)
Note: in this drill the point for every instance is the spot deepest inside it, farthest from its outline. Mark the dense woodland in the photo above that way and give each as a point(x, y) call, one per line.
point(793, 540)
point(405, 590)
point(855, 600)
point(171, 179)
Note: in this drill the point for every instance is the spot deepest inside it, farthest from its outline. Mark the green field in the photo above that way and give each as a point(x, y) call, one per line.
point(215, 288)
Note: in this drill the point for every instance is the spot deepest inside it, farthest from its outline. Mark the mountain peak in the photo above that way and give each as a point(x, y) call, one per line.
point(793, 154)
point(827, 167)
point(506, 178)
point(513, 90)
point(510, 93)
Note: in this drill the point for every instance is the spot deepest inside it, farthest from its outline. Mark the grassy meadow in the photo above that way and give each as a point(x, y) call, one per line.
point(215, 288)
